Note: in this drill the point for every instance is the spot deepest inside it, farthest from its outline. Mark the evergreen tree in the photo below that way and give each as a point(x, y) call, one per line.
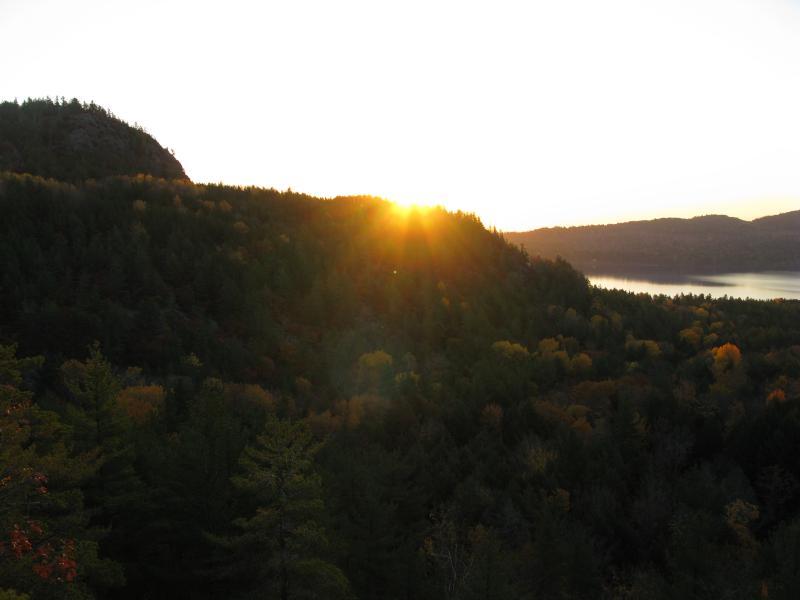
point(46, 546)
point(283, 544)
point(102, 432)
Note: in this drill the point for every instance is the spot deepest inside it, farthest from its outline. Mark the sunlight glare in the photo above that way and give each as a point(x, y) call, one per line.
point(404, 209)
point(526, 114)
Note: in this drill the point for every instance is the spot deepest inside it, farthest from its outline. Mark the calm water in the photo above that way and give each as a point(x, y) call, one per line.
point(762, 286)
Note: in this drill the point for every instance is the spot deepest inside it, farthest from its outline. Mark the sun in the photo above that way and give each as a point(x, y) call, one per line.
point(404, 208)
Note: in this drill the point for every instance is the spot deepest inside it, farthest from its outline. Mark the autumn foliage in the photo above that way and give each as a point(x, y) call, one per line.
point(241, 393)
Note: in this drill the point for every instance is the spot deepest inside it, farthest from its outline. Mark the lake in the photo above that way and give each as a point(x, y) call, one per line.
point(761, 286)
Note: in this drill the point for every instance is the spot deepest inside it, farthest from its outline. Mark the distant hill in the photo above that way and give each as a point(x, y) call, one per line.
point(711, 243)
point(71, 141)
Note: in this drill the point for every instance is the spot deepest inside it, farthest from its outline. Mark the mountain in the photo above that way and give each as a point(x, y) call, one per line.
point(707, 244)
point(71, 141)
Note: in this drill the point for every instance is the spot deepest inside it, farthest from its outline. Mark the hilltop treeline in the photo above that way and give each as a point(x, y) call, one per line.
point(208, 391)
point(74, 141)
point(710, 244)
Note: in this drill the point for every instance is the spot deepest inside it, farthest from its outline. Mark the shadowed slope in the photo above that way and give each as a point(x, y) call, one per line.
point(72, 142)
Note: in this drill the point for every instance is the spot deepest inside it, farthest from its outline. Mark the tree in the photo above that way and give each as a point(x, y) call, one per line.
point(102, 432)
point(282, 545)
point(101, 428)
point(46, 547)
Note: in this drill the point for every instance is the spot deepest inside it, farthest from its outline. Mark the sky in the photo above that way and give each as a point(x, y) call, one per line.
point(529, 114)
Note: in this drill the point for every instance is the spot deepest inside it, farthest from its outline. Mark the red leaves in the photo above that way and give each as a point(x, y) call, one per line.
point(48, 564)
point(43, 570)
point(35, 527)
point(66, 563)
point(40, 480)
point(20, 544)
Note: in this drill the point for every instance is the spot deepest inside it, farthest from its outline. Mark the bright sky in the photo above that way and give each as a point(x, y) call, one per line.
point(530, 113)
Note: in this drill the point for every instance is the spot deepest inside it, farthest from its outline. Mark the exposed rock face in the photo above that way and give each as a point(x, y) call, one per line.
point(71, 141)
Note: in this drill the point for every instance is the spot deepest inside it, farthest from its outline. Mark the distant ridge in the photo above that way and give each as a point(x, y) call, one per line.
point(706, 244)
point(72, 141)
point(789, 221)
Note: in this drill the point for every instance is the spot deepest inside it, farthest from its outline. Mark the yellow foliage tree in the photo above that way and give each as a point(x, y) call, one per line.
point(581, 365)
point(777, 396)
point(726, 358)
point(510, 349)
point(691, 336)
point(549, 345)
point(140, 402)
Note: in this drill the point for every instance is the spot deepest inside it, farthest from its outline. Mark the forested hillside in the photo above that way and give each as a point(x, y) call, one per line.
point(73, 141)
point(221, 392)
point(710, 244)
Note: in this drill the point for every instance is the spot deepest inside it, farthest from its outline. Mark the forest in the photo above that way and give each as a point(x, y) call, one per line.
point(708, 244)
point(74, 141)
point(211, 391)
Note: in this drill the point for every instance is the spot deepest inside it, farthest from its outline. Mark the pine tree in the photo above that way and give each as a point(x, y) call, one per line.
point(101, 428)
point(283, 543)
point(114, 492)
